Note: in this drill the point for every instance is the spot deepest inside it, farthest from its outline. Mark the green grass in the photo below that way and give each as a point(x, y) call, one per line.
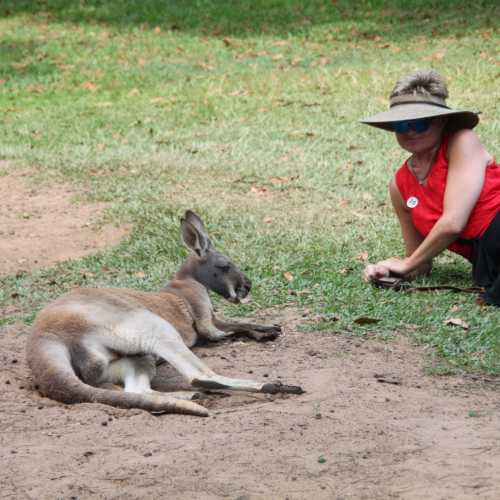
point(248, 113)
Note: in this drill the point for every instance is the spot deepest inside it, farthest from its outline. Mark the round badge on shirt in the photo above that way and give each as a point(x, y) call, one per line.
point(412, 202)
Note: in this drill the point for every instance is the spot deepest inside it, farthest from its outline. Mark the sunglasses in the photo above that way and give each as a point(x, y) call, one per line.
point(419, 126)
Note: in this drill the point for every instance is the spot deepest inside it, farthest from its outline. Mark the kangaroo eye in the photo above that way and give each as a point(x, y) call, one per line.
point(223, 267)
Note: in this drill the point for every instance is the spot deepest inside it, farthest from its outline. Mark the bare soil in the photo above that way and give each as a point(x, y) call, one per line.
point(372, 424)
point(41, 225)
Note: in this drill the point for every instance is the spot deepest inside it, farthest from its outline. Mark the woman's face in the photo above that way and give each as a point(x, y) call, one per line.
point(420, 142)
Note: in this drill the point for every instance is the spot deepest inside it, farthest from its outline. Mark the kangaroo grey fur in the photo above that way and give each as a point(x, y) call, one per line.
point(90, 338)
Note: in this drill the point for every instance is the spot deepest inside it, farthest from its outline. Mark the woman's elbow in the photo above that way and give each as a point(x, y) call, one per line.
point(452, 227)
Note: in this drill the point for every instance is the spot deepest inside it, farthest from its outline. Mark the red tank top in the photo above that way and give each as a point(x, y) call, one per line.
point(425, 202)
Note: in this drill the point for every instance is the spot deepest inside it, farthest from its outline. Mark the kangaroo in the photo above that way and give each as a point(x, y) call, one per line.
point(91, 338)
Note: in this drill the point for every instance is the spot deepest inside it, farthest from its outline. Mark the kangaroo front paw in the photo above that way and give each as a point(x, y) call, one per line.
point(278, 387)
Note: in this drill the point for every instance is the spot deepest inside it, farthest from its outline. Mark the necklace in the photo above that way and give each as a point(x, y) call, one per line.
point(414, 169)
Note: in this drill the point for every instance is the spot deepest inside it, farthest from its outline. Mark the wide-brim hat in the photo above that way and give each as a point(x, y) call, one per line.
point(414, 106)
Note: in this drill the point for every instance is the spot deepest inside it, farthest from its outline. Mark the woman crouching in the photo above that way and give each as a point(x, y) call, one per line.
point(446, 195)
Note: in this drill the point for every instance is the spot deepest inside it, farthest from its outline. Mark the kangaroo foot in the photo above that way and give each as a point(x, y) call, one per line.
point(278, 387)
point(263, 333)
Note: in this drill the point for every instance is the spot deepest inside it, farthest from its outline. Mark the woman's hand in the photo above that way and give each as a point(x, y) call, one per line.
point(375, 271)
point(396, 266)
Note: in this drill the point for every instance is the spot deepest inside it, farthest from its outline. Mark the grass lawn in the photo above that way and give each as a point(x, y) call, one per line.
point(246, 112)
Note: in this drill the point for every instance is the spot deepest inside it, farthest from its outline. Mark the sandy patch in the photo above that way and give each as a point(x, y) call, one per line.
point(41, 225)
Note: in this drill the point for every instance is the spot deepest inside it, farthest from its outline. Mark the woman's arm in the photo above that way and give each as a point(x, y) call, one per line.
point(411, 238)
point(466, 171)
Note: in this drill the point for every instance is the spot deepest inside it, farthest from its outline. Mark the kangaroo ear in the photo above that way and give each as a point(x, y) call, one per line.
point(196, 221)
point(196, 241)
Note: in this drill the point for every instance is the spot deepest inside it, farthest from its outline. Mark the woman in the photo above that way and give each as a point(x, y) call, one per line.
point(447, 194)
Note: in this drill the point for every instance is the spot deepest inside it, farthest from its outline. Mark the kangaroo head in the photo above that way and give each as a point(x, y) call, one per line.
point(214, 270)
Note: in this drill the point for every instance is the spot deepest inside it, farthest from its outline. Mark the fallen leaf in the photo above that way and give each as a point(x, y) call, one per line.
point(327, 317)
point(457, 322)
point(362, 257)
point(260, 190)
point(158, 100)
point(279, 180)
point(288, 276)
point(36, 89)
point(346, 270)
point(205, 66)
point(89, 86)
point(157, 30)
point(364, 320)
point(140, 274)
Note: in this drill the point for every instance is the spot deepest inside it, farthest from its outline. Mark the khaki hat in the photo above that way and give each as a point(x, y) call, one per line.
point(414, 106)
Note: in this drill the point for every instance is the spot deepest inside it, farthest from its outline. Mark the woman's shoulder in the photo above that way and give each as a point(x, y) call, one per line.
point(465, 142)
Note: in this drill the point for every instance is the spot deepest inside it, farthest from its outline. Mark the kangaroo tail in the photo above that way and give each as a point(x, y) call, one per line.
point(54, 377)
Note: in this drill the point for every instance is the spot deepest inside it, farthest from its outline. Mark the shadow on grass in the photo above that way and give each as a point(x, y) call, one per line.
point(391, 19)
point(13, 62)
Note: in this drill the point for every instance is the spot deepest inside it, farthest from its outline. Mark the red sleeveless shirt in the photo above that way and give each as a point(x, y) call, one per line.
point(425, 202)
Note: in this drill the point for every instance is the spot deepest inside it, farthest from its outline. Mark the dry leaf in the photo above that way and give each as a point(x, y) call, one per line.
point(157, 30)
point(89, 86)
point(457, 322)
point(327, 317)
point(288, 276)
point(36, 89)
point(260, 190)
point(363, 320)
point(158, 100)
point(205, 66)
point(280, 180)
point(346, 270)
point(362, 257)
point(140, 274)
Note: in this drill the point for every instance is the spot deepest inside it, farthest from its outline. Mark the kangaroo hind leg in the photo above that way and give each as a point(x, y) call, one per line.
point(201, 376)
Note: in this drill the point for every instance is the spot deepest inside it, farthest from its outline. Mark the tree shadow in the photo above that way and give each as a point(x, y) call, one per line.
point(15, 63)
point(391, 18)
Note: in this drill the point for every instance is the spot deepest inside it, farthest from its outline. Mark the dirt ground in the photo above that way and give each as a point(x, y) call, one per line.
point(371, 425)
point(41, 225)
